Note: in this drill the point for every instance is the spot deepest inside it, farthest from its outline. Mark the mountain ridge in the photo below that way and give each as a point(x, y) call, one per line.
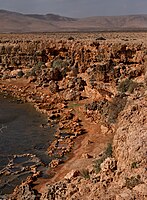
point(19, 22)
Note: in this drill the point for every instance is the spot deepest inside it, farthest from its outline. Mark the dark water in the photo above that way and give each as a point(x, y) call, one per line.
point(20, 132)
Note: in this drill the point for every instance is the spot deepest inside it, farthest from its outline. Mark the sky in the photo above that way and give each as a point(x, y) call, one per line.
point(77, 8)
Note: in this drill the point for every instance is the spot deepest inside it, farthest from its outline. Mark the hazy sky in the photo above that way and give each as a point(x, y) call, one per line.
point(77, 8)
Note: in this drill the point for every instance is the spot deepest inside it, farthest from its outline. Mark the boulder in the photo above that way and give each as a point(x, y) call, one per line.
point(72, 174)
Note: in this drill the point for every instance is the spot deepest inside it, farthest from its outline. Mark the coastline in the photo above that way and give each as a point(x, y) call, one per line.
point(92, 89)
point(76, 153)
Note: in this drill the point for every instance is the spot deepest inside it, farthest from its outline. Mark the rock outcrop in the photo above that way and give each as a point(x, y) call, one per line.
point(96, 91)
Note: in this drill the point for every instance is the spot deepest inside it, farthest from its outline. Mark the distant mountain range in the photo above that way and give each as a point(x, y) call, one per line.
point(18, 23)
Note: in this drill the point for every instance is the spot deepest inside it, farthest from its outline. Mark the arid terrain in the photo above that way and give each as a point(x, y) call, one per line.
point(93, 86)
point(13, 22)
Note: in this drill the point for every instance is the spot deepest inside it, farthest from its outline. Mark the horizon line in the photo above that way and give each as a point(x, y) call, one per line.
point(72, 17)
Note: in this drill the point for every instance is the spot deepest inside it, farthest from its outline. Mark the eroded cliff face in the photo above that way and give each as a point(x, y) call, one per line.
point(95, 87)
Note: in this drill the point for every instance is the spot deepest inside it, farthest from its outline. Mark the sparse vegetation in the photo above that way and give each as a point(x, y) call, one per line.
point(73, 105)
point(97, 164)
point(127, 86)
point(85, 173)
point(107, 153)
point(134, 165)
point(109, 110)
point(115, 107)
point(133, 181)
point(64, 77)
point(70, 38)
point(132, 87)
point(20, 74)
point(59, 63)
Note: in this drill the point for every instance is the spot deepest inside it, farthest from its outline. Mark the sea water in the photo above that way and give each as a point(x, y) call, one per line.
point(21, 134)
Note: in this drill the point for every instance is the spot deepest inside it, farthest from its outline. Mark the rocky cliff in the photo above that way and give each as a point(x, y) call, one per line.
point(94, 87)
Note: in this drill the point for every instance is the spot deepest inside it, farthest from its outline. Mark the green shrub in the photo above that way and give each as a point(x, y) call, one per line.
point(32, 72)
point(85, 173)
point(127, 86)
point(59, 63)
point(3, 50)
point(61, 66)
point(124, 85)
point(115, 107)
point(132, 86)
point(97, 164)
point(20, 74)
point(38, 66)
point(134, 165)
point(133, 181)
point(107, 153)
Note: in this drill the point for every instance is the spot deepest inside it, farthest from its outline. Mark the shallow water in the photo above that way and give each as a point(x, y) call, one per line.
point(20, 132)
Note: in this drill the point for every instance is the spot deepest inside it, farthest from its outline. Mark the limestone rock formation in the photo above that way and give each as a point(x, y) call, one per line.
point(95, 90)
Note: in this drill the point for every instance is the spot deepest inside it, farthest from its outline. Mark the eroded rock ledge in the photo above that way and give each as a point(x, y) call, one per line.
point(96, 91)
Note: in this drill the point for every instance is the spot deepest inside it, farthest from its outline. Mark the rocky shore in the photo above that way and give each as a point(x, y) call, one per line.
point(93, 86)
